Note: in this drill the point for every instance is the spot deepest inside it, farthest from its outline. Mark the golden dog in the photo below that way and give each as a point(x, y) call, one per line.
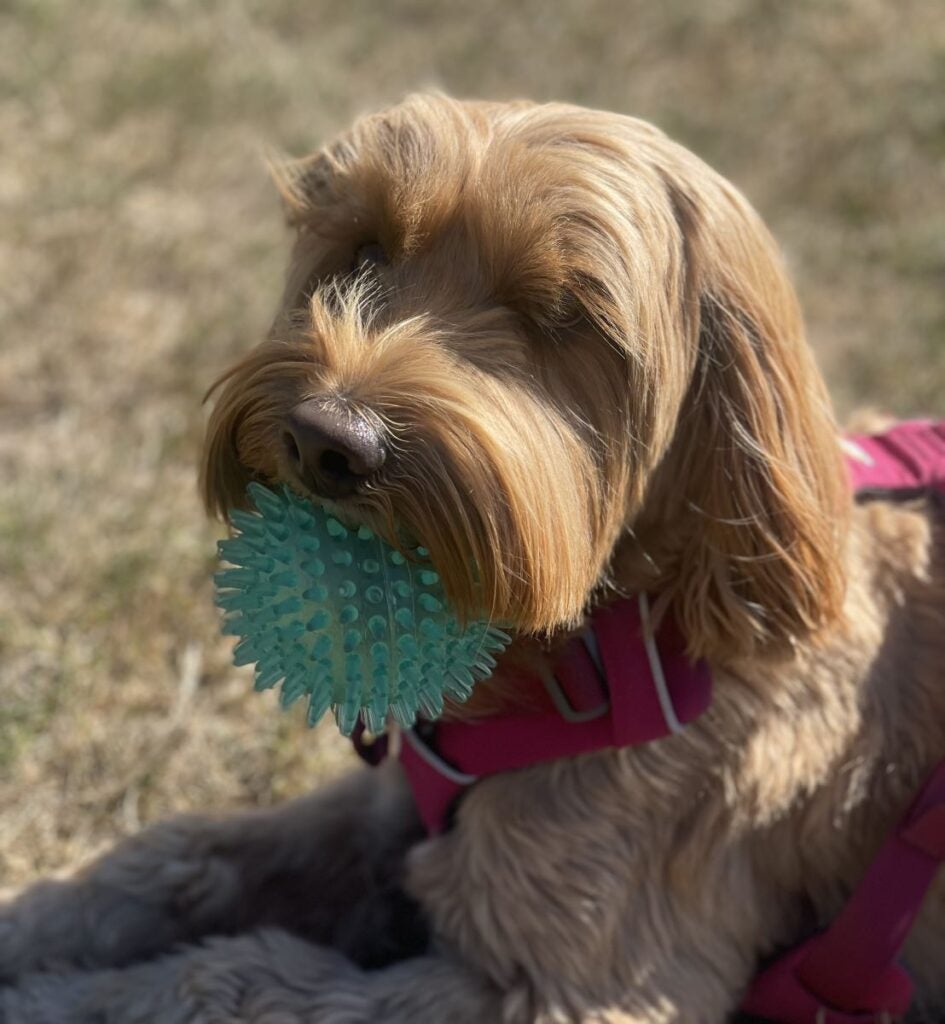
point(561, 352)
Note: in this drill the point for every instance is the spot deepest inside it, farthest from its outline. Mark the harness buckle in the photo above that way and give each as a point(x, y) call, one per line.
point(578, 684)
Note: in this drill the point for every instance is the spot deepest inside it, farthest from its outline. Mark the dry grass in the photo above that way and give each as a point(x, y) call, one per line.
point(141, 249)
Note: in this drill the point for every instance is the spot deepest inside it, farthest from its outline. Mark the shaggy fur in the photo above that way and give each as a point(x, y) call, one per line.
point(589, 366)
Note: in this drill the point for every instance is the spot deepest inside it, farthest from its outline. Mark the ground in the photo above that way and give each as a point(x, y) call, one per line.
point(141, 250)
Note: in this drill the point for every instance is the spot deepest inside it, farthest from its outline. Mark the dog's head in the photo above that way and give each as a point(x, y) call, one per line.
point(561, 353)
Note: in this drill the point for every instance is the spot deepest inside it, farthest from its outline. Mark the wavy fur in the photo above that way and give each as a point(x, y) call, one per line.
point(590, 370)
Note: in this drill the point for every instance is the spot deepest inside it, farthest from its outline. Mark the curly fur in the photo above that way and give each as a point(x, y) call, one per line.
point(591, 371)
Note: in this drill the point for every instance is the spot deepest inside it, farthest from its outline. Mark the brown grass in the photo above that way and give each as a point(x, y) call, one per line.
point(141, 249)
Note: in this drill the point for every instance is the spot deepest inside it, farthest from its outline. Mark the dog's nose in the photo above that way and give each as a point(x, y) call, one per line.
point(332, 447)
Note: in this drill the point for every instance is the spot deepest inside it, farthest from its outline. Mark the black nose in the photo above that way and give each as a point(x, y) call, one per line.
point(331, 447)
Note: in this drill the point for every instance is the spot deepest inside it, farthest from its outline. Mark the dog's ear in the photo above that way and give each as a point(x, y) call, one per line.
point(246, 422)
point(223, 478)
point(756, 455)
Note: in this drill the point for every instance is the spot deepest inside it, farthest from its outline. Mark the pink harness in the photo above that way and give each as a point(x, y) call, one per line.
point(622, 684)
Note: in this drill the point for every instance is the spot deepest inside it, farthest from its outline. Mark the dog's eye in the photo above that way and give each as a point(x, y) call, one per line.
point(568, 314)
point(368, 256)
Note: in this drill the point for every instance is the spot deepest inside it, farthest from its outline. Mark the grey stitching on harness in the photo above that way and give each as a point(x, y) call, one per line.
point(656, 666)
point(435, 761)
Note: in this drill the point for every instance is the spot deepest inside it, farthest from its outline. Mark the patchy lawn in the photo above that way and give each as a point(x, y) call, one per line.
point(141, 249)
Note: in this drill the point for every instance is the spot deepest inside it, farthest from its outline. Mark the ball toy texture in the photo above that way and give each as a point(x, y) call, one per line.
point(338, 615)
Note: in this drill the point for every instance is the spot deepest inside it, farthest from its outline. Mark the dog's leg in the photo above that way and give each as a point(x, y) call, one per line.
point(270, 977)
point(263, 978)
point(537, 936)
point(326, 866)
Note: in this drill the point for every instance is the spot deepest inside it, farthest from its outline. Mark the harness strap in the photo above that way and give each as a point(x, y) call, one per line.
point(848, 974)
point(908, 457)
point(620, 684)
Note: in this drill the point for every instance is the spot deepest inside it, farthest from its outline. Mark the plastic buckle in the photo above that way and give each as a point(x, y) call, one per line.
point(585, 681)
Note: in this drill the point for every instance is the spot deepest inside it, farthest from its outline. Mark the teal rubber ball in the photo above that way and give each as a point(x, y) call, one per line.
point(337, 615)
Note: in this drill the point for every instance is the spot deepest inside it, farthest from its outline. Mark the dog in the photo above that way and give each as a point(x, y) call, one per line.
point(556, 349)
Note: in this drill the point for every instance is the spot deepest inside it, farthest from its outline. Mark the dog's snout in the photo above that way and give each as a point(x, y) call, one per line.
point(332, 447)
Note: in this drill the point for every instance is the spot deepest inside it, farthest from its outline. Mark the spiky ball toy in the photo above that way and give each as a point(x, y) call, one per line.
point(342, 617)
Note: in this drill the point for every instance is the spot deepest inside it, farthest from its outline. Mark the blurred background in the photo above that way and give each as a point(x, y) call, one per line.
point(141, 248)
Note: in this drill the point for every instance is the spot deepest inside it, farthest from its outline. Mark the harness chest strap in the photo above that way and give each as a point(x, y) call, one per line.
point(612, 687)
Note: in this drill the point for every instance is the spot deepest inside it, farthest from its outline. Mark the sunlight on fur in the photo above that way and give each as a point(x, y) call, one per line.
point(560, 352)
point(586, 356)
